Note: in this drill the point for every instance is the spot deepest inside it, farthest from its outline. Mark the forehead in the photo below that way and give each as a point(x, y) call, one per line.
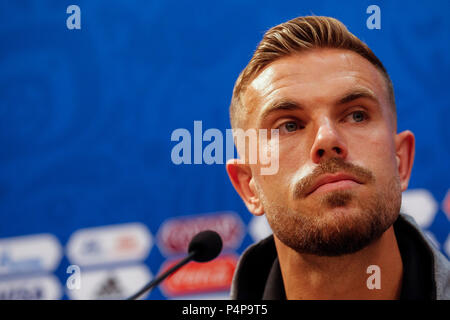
point(315, 76)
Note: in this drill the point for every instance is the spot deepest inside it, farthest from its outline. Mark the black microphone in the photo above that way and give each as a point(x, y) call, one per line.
point(204, 246)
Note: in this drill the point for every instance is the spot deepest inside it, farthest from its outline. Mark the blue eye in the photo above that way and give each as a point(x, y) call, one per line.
point(359, 116)
point(290, 126)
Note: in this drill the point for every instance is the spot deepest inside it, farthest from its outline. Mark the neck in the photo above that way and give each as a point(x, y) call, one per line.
point(311, 277)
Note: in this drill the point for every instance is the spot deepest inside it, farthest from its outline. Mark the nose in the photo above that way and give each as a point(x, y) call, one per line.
point(328, 143)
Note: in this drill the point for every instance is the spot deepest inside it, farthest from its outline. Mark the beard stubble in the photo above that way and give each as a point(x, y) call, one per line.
point(322, 233)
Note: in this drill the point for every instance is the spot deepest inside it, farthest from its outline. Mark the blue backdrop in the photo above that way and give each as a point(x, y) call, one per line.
point(86, 118)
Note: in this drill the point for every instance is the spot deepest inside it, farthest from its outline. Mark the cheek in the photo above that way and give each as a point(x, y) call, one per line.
point(294, 162)
point(278, 186)
point(376, 152)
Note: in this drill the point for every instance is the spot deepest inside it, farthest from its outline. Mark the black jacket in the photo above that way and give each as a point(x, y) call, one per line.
point(426, 272)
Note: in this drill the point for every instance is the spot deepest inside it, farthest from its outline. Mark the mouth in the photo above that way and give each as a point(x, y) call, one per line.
point(332, 182)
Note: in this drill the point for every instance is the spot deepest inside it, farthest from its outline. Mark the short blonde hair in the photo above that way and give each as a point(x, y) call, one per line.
point(299, 35)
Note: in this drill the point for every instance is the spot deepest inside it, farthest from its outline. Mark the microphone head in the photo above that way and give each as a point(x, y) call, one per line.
point(206, 245)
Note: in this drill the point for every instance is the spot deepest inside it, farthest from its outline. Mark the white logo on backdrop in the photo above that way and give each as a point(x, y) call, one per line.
point(44, 287)
point(421, 205)
point(33, 253)
point(112, 283)
point(109, 244)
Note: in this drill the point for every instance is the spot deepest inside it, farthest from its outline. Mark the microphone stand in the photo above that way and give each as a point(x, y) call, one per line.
point(158, 280)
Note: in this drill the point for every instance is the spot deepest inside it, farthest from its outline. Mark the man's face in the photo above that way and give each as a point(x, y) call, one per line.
point(337, 188)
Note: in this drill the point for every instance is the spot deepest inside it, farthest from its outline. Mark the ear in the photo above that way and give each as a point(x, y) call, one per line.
point(405, 148)
point(243, 181)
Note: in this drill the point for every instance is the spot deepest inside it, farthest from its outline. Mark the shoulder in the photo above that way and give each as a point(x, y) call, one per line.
point(441, 265)
point(253, 269)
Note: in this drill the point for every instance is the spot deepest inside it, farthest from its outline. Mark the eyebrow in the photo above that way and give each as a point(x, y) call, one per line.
point(290, 105)
point(284, 104)
point(358, 93)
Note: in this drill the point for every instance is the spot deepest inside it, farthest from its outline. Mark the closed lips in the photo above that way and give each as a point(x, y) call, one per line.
point(326, 179)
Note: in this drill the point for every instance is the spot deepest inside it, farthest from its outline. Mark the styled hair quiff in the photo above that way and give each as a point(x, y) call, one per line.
point(294, 36)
